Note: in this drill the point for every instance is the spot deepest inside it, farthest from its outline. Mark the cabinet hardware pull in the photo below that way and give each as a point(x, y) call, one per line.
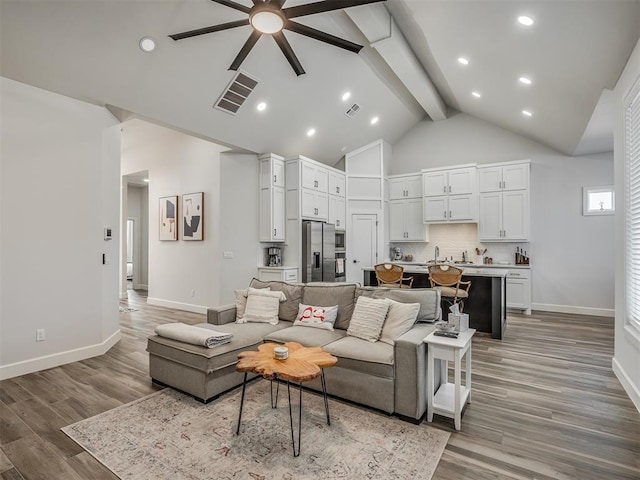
point(449, 213)
point(449, 188)
point(337, 189)
point(275, 179)
point(445, 214)
point(274, 232)
point(315, 183)
point(444, 189)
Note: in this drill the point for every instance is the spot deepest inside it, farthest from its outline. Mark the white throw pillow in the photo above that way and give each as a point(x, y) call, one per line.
point(368, 317)
point(400, 319)
point(262, 306)
point(241, 301)
point(317, 317)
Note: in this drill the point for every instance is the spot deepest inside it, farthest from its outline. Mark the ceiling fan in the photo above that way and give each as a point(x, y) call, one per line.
point(269, 17)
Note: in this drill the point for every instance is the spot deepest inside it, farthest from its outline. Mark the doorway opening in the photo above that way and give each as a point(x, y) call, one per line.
point(130, 254)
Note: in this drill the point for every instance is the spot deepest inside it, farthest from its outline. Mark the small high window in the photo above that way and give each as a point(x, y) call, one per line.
point(598, 200)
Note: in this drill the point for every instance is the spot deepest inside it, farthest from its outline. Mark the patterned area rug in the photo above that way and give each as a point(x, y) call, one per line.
point(168, 435)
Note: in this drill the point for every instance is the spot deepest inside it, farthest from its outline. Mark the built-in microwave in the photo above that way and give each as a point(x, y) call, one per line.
point(340, 241)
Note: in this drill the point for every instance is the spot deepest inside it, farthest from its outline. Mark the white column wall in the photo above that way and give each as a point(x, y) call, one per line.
point(59, 189)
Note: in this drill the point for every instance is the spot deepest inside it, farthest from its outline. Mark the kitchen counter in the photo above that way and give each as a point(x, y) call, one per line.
point(464, 265)
point(487, 302)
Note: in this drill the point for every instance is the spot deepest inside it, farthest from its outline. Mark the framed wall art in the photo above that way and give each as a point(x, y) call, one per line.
point(192, 216)
point(168, 216)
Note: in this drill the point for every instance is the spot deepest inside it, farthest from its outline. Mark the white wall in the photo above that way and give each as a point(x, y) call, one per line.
point(182, 274)
point(239, 222)
point(626, 361)
point(59, 188)
point(572, 256)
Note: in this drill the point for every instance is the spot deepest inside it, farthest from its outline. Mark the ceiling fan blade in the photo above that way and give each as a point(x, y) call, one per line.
point(325, 6)
point(288, 52)
point(279, 2)
point(322, 36)
point(237, 6)
point(246, 48)
point(211, 29)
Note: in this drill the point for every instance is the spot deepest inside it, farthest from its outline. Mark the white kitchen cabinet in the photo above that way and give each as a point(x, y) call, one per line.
point(449, 208)
point(405, 186)
point(315, 177)
point(314, 205)
point(504, 216)
point(337, 182)
point(507, 177)
point(452, 181)
point(272, 199)
point(405, 221)
point(519, 289)
point(337, 212)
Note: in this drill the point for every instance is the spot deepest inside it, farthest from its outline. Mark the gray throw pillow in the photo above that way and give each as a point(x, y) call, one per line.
point(400, 319)
point(368, 318)
point(292, 292)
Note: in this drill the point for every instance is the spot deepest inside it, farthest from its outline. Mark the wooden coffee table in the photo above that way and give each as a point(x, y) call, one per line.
point(302, 365)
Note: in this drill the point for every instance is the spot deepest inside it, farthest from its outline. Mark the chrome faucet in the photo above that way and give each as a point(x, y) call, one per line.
point(436, 254)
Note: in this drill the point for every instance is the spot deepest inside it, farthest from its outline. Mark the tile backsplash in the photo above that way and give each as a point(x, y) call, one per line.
point(452, 239)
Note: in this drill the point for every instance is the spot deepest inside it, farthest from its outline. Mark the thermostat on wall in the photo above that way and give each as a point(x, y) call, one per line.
point(107, 233)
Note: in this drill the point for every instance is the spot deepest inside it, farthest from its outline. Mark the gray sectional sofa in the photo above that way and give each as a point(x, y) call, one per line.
point(391, 378)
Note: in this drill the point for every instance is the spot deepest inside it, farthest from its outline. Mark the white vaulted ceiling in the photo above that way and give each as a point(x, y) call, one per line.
point(88, 49)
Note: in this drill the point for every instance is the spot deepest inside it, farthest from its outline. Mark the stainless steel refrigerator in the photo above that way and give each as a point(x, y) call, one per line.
point(318, 252)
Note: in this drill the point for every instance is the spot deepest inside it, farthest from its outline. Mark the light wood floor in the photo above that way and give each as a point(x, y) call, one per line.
point(545, 404)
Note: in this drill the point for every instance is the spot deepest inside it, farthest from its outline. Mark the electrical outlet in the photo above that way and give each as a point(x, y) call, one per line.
point(40, 336)
point(227, 254)
point(193, 293)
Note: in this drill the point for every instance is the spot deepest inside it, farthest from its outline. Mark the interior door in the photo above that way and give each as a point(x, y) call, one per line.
point(363, 248)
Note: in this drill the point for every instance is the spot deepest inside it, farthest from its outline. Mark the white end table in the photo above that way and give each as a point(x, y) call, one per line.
point(450, 398)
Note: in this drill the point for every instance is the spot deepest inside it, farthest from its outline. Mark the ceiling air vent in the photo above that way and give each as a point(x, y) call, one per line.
point(236, 93)
point(355, 108)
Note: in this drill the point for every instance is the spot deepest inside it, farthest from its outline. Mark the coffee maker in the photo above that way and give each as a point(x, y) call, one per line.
point(274, 256)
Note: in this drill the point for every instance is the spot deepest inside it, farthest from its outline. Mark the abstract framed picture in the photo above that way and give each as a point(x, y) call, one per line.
point(192, 216)
point(168, 217)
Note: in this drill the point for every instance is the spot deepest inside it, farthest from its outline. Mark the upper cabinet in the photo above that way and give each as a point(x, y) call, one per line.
point(450, 195)
point(513, 176)
point(272, 198)
point(315, 177)
point(405, 186)
point(451, 181)
point(337, 182)
point(504, 202)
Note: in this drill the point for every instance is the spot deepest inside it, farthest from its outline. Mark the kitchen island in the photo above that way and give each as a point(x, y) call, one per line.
point(487, 303)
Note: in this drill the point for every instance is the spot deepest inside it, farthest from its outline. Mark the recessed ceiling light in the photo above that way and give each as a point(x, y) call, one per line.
point(476, 94)
point(261, 106)
point(463, 61)
point(527, 113)
point(311, 132)
point(146, 180)
point(147, 44)
point(525, 80)
point(374, 120)
point(345, 96)
point(526, 21)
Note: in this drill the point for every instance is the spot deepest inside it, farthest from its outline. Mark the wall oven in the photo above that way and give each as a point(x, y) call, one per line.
point(340, 243)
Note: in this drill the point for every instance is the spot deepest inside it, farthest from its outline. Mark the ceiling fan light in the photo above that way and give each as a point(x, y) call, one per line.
point(267, 22)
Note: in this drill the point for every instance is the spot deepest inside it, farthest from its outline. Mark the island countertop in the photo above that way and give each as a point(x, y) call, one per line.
point(467, 270)
point(486, 304)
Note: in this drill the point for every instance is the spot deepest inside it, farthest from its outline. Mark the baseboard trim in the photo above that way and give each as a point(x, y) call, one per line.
point(141, 286)
point(632, 390)
point(57, 359)
point(187, 307)
point(598, 312)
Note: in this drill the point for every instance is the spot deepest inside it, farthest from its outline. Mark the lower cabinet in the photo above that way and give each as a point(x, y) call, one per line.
point(278, 274)
point(519, 290)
